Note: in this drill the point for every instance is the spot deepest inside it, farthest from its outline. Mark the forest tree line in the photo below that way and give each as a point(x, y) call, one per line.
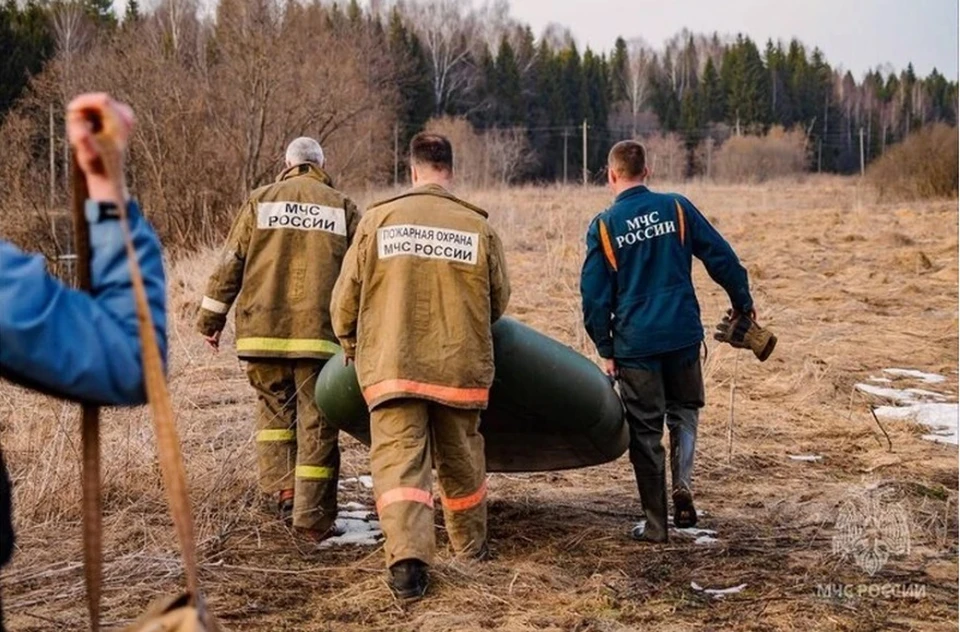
point(219, 91)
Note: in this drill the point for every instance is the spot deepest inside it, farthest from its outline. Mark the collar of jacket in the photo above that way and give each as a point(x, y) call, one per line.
point(435, 190)
point(306, 169)
point(632, 191)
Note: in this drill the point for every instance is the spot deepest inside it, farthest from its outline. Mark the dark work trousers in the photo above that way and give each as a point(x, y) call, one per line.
point(667, 387)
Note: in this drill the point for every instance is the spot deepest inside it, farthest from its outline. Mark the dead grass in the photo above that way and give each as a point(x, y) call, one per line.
point(850, 285)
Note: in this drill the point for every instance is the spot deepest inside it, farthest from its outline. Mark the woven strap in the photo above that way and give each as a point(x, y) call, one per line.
point(161, 408)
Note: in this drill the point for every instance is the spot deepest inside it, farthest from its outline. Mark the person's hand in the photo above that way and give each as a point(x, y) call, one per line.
point(213, 341)
point(610, 368)
point(98, 129)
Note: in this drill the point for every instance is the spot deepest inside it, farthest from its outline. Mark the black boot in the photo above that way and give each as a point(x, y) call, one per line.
point(653, 497)
point(408, 579)
point(682, 423)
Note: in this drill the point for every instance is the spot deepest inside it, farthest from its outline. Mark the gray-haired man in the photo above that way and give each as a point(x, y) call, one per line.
point(280, 263)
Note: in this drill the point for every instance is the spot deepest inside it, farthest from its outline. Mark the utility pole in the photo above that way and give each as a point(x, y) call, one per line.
point(566, 134)
point(53, 161)
point(709, 157)
point(861, 153)
point(585, 170)
point(396, 154)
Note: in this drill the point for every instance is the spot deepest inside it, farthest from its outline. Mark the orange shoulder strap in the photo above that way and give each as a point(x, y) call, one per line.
point(608, 251)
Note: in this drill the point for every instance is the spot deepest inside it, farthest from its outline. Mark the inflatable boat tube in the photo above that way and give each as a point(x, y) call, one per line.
point(550, 407)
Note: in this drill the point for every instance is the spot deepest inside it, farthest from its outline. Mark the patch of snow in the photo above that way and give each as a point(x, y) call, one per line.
point(811, 458)
point(901, 396)
point(363, 514)
point(702, 536)
point(694, 532)
point(928, 378)
point(356, 532)
point(940, 397)
point(942, 418)
point(353, 506)
point(718, 593)
point(365, 481)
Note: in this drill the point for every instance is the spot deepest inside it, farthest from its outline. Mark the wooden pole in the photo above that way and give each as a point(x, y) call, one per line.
point(53, 161)
point(566, 135)
point(585, 170)
point(862, 165)
point(396, 154)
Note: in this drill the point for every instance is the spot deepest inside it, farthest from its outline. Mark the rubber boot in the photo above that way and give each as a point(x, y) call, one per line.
point(682, 423)
point(653, 497)
point(285, 506)
point(408, 579)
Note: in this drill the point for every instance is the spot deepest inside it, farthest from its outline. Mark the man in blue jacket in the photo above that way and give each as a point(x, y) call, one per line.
point(84, 347)
point(641, 311)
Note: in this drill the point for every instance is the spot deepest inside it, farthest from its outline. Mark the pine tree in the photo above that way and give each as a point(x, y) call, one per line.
point(781, 108)
point(508, 93)
point(619, 63)
point(354, 13)
point(132, 13)
point(663, 99)
point(101, 11)
point(416, 89)
point(26, 43)
point(712, 105)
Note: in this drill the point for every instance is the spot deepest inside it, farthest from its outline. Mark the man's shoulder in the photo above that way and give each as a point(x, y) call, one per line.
point(428, 202)
point(301, 187)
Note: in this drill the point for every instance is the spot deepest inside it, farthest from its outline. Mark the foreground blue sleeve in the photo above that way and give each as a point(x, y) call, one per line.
point(718, 258)
point(84, 347)
point(597, 292)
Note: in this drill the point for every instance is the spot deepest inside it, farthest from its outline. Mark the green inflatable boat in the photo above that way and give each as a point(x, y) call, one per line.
point(550, 407)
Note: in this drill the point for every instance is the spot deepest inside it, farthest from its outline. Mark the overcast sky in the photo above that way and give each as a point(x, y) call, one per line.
point(855, 34)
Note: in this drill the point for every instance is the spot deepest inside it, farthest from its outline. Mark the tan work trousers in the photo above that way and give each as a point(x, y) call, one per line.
point(405, 434)
point(296, 447)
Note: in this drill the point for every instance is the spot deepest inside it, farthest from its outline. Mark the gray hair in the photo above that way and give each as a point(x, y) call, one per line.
point(304, 149)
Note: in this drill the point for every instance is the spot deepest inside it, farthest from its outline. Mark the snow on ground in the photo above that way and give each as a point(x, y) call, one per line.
point(718, 593)
point(359, 527)
point(811, 458)
point(928, 378)
point(364, 481)
point(702, 537)
point(942, 418)
point(918, 405)
point(901, 395)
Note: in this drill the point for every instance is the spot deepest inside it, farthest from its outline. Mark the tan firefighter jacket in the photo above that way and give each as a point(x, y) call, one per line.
point(421, 285)
point(282, 257)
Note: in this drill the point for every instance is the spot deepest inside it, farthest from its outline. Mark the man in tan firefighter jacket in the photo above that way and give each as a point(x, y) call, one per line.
point(282, 258)
point(420, 287)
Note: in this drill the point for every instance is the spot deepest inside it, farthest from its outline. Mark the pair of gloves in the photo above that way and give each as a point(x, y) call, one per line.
point(743, 332)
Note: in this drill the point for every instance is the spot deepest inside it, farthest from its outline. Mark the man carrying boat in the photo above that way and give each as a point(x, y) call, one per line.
point(641, 311)
point(421, 285)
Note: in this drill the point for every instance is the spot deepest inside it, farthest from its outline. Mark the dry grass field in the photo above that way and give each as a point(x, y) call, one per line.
point(852, 285)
